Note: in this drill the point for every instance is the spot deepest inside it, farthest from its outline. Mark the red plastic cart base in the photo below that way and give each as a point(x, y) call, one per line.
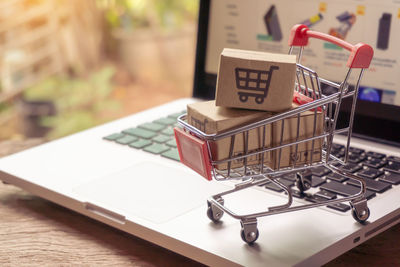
point(193, 152)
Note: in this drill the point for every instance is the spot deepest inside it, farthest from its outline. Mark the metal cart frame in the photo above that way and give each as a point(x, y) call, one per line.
point(195, 146)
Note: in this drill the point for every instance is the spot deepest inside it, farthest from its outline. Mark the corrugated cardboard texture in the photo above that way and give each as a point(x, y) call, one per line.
point(255, 80)
point(212, 119)
point(292, 156)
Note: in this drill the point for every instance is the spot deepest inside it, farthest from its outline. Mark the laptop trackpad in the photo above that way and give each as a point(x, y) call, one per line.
point(149, 190)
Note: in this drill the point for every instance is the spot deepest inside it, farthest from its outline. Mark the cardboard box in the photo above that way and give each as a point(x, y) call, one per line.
point(306, 151)
point(211, 119)
point(255, 80)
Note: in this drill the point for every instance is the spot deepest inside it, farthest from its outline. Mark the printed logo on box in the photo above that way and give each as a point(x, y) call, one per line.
point(253, 83)
point(201, 125)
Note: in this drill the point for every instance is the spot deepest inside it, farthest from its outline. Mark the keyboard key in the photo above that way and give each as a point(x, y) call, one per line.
point(314, 198)
point(344, 189)
point(356, 150)
point(389, 177)
point(339, 206)
point(126, 139)
point(113, 137)
point(375, 155)
point(273, 187)
point(337, 164)
point(286, 182)
point(165, 121)
point(338, 154)
point(139, 132)
point(316, 181)
point(372, 185)
point(277, 188)
point(289, 177)
point(140, 143)
point(337, 177)
point(156, 148)
point(350, 167)
point(176, 115)
point(325, 194)
point(161, 138)
point(356, 158)
point(320, 171)
point(168, 131)
point(171, 143)
point(297, 193)
point(261, 185)
point(392, 167)
point(374, 163)
point(370, 173)
point(151, 126)
point(337, 146)
point(393, 158)
point(171, 154)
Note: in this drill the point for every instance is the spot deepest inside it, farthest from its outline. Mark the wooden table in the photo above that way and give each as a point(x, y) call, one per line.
point(34, 231)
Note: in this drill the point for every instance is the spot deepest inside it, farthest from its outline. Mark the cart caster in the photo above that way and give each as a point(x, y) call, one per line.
point(243, 98)
point(214, 213)
point(259, 99)
point(249, 232)
point(360, 216)
point(360, 210)
point(249, 238)
point(303, 181)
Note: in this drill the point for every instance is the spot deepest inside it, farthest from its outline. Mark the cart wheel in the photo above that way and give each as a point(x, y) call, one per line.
point(259, 99)
point(302, 184)
point(362, 216)
point(250, 237)
point(302, 187)
point(214, 213)
point(243, 98)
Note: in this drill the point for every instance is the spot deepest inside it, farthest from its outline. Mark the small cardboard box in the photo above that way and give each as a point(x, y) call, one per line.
point(306, 151)
point(255, 80)
point(212, 119)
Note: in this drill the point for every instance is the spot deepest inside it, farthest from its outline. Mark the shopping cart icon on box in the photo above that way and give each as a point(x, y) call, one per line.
point(254, 83)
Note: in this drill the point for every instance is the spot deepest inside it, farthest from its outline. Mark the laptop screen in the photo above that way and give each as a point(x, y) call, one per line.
point(265, 26)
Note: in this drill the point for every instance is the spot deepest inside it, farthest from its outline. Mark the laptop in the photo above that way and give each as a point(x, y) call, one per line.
point(126, 173)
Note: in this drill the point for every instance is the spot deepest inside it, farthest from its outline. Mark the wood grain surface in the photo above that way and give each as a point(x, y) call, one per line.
point(36, 232)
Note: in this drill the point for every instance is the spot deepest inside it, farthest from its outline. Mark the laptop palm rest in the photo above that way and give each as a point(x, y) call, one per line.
point(151, 191)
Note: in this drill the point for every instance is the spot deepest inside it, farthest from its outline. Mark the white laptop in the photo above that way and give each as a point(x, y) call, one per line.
point(126, 173)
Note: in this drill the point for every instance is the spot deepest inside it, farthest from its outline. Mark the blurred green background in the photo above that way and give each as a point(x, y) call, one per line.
point(67, 65)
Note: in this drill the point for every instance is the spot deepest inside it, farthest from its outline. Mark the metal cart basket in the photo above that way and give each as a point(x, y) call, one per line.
point(195, 146)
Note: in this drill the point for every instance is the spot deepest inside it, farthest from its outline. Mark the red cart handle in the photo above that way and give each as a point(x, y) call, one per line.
point(360, 54)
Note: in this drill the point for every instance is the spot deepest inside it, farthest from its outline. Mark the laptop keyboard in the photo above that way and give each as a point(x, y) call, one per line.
point(155, 137)
point(380, 172)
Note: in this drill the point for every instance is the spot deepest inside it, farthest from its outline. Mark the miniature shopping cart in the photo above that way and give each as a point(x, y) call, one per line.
point(254, 83)
point(195, 146)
